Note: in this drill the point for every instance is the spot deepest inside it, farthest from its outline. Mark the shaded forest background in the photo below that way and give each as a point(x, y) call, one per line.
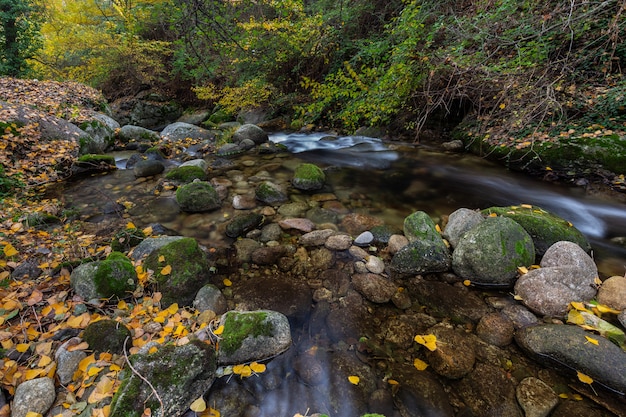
point(515, 72)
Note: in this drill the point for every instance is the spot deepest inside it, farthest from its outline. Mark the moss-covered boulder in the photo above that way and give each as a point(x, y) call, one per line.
point(91, 163)
point(178, 374)
point(419, 226)
point(186, 174)
point(180, 268)
point(124, 240)
point(490, 253)
point(270, 193)
point(113, 277)
point(544, 227)
point(197, 196)
point(308, 177)
point(421, 257)
point(107, 336)
point(253, 336)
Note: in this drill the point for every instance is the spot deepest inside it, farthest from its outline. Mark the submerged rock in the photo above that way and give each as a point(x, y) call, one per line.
point(197, 196)
point(308, 177)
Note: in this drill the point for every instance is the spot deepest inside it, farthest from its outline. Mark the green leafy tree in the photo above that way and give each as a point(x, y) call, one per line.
point(19, 35)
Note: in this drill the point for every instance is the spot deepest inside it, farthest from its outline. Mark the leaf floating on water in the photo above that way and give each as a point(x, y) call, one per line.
point(584, 378)
point(354, 379)
point(419, 364)
point(428, 340)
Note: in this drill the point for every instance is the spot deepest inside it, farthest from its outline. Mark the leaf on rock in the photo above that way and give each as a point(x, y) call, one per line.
point(198, 405)
point(427, 340)
point(354, 379)
point(419, 364)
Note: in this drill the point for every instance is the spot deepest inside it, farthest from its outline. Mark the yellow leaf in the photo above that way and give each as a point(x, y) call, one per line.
point(161, 258)
point(103, 389)
point(502, 106)
point(213, 412)
point(577, 397)
point(93, 370)
point(257, 367)
point(528, 206)
point(167, 269)
point(548, 169)
point(354, 379)
point(237, 369)
point(419, 364)
point(9, 250)
point(130, 225)
point(198, 405)
point(152, 350)
point(592, 340)
point(227, 282)
point(578, 305)
point(392, 382)
point(522, 270)
point(467, 282)
point(563, 395)
point(605, 309)
point(428, 340)
point(173, 308)
point(219, 330)
point(584, 378)
point(22, 347)
point(147, 231)
point(32, 373)
point(44, 361)
point(33, 414)
point(122, 305)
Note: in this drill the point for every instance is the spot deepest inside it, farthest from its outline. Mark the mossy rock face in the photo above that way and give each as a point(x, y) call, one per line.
point(126, 239)
point(253, 336)
point(107, 336)
point(179, 374)
point(544, 227)
point(419, 226)
point(186, 174)
point(490, 253)
point(197, 197)
point(115, 276)
point(270, 193)
point(90, 160)
point(308, 177)
point(190, 271)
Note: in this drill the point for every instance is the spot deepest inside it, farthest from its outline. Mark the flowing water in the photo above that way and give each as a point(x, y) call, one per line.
point(386, 180)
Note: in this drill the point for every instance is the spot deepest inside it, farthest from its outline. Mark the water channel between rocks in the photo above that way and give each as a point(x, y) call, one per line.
point(388, 182)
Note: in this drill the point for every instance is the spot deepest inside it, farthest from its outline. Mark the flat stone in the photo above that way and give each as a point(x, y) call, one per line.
point(301, 224)
point(536, 397)
point(36, 395)
point(338, 242)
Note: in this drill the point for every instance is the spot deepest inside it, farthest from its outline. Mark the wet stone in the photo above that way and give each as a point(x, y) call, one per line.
point(489, 393)
point(358, 253)
point(454, 356)
point(338, 242)
point(535, 397)
point(315, 237)
point(397, 242)
point(374, 287)
point(364, 239)
point(33, 396)
point(496, 329)
point(243, 202)
point(375, 265)
point(612, 293)
point(301, 224)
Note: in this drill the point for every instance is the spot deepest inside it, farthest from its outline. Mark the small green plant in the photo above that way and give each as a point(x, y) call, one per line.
point(9, 184)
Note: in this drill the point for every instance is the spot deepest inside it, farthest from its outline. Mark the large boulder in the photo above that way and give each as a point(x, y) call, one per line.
point(180, 269)
point(113, 277)
point(178, 374)
point(178, 131)
point(490, 253)
point(459, 222)
point(101, 128)
point(544, 227)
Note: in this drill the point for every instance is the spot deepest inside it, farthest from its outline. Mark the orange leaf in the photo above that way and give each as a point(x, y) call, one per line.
point(584, 378)
point(257, 367)
point(428, 340)
point(167, 269)
point(419, 364)
point(35, 297)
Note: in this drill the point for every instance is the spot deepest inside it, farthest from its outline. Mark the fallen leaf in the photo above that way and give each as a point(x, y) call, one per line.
point(9, 250)
point(428, 340)
point(354, 379)
point(198, 405)
point(167, 269)
point(419, 364)
point(584, 378)
point(258, 368)
point(592, 340)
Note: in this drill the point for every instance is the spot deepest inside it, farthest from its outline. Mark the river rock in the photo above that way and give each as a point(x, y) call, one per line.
point(197, 196)
point(271, 232)
point(308, 177)
point(186, 174)
point(253, 336)
point(349, 321)
point(179, 131)
point(293, 209)
point(454, 356)
point(420, 394)
point(101, 128)
point(567, 274)
point(131, 133)
point(268, 255)
point(209, 297)
point(315, 237)
point(364, 239)
point(488, 392)
point(421, 256)
point(150, 244)
point(459, 222)
point(35, 395)
point(356, 223)
point(244, 249)
point(445, 300)
point(536, 397)
point(342, 397)
point(244, 202)
point(189, 270)
point(375, 265)
point(374, 287)
point(612, 293)
point(520, 316)
point(269, 193)
point(303, 225)
point(113, 277)
point(179, 374)
point(148, 168)
point(491, 252)
point(396, 242)
point(496, 329)
point(544, 227)
point(252, 132)
point(565, 348)
point(243, 223)
point(419, 226)
point(322, 215)
point(339, 241)
point(278, 292)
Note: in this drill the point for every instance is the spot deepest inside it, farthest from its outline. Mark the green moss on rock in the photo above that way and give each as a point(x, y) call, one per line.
point(115, 276)
point(544, 227)
point(308, 177)
point(237, 327)
point(186, 174)
point(197, 197)
point(190, 271)
point(106, 336)
point(95, 159)
point(126, 239)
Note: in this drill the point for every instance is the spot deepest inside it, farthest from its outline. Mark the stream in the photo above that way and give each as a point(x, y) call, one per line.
point(385, 180)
